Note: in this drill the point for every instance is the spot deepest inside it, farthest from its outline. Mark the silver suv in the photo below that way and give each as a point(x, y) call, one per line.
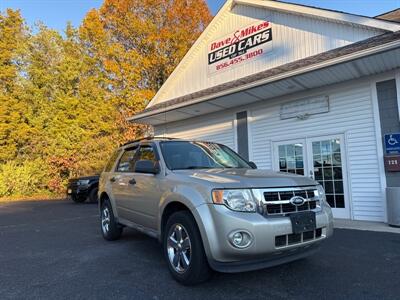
point(210, 208)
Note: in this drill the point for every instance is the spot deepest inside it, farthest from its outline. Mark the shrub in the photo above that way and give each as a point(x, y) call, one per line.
point(22, 179)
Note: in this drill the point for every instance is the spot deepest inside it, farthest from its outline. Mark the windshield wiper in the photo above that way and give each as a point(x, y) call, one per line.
point(193, 168)
point(198, 167)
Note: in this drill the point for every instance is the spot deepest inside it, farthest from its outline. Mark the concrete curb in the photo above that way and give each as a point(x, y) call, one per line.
point(364, 225)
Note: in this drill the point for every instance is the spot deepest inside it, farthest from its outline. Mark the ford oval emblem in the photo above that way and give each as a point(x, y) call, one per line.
point(297, 201)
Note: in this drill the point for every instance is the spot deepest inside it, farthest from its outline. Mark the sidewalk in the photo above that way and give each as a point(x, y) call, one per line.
point(364, 225)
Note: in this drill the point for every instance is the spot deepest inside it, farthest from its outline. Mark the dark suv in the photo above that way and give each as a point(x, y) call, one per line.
point(83, 188)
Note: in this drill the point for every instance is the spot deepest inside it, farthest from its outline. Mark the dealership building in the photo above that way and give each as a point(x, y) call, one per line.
point(295, 89)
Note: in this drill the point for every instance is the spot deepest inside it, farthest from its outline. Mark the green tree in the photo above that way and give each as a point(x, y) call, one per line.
point(14, 127)
point(70, 107)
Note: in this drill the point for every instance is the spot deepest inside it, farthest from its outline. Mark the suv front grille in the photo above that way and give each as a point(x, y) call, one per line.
point(73, 183)
point(278, 202)
point(294, 239)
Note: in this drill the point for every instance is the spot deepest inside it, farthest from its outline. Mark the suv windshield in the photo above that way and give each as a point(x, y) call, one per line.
point(182, 155)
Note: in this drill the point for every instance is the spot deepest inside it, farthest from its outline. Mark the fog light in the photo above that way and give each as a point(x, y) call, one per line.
point(240, 239)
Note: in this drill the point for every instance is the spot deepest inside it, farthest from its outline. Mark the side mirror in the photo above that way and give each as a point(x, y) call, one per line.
point(252, 165)
point(147, 167)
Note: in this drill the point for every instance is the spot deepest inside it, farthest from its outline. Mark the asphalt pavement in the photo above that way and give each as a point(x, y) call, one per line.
point(54, 250)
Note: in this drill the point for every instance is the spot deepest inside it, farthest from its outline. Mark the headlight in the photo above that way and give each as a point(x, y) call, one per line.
point(321, 193)
point(83, 182)
point(238, 200)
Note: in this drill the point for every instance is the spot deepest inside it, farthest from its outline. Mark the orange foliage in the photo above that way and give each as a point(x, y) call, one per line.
point(65, 98)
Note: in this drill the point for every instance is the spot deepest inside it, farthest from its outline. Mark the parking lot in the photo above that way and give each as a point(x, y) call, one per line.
point(54, 250)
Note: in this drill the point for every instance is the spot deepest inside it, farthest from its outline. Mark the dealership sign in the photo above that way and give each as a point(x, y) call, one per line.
point(241, 46)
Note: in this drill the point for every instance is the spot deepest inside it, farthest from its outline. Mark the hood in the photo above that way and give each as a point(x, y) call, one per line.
point(247, 178)
point(94, 177)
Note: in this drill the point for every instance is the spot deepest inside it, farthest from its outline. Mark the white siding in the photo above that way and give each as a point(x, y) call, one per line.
point(219, 130)
point(351, 114)
point(294, 37)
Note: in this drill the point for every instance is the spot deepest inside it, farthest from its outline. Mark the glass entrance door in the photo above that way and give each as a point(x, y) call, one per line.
point(322, 159)
point(327, 165)
point(291, 158)
point(328, 170)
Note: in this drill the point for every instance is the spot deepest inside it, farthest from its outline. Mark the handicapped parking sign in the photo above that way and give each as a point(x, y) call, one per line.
point(392, 143)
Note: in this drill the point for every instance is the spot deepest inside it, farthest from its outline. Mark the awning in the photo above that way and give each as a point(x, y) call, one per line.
point(368, 57)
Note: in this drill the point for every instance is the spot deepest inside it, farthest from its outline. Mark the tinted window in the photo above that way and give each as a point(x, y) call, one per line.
point(127, 161)
point(147, 153)
point(181, 155)
point(112, 160)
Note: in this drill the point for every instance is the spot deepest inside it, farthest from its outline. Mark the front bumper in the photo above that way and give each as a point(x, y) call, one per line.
point(268, 261)
point(80, 192)
point(217, 222)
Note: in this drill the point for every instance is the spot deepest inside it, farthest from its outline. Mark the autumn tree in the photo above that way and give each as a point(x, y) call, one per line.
point(138, 43)
point(65, 97)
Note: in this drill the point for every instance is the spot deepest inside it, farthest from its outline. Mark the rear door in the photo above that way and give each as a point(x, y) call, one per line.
point(105, 184)
point(122, 189)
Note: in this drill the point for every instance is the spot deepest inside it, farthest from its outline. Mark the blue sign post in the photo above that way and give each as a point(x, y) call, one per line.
point(392, 143)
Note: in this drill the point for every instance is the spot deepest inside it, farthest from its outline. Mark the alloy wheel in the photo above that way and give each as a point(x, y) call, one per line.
point(105, 220)
point(179, 248)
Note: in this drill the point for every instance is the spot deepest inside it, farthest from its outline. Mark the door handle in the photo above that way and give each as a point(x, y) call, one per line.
point(132, 181)
point(113, 179)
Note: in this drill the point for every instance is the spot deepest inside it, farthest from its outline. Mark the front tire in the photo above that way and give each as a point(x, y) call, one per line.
point(78, 199)
point(110, 229)
point(184, 251)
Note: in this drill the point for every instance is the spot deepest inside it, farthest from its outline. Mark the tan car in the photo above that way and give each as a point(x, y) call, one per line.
point(210, 208)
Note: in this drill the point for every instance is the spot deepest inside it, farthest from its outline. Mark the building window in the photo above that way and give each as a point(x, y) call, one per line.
point(291, 159)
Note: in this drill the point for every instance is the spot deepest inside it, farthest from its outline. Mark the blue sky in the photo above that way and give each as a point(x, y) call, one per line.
point(56, 13)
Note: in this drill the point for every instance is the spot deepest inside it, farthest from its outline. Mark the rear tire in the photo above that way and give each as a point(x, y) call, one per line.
point(110, 229)
point(184, 251)
point(93, 197)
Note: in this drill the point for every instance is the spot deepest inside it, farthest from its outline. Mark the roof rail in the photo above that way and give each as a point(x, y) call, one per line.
point(149, 138)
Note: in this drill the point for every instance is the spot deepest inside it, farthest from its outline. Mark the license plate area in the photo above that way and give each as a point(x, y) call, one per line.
point(303, 222)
